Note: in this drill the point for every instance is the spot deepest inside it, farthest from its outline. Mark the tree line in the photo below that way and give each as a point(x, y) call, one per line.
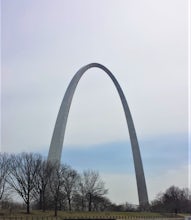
point(173, 200)
point(48, 185)
point(60, 187)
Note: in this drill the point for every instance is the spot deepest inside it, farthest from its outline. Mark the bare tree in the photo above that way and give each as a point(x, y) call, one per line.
point(70, 179)
point(92, 187)
point(23, 171)
point(100, 203)
point(41, 181)
point(172, 200)
point(56, 184)
point(4, 170)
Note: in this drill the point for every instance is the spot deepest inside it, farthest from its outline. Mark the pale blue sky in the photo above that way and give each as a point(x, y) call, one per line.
point(144, 44)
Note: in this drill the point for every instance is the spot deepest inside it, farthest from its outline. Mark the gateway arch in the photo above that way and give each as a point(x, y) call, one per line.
point(56, 145)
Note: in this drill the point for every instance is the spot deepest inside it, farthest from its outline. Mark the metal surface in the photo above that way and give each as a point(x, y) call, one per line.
point(60, 126)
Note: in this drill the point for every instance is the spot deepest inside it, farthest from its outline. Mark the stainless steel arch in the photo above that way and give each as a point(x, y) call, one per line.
point(60, 126)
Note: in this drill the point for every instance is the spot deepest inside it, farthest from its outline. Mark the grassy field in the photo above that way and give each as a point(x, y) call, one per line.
point(48, 215)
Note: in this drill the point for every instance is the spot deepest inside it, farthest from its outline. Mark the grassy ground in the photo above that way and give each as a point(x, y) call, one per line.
point(62, 214)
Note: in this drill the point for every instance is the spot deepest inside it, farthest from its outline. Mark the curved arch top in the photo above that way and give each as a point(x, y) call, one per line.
point(61, 121)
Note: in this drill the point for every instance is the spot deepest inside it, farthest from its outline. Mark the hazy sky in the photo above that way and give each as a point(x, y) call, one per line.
point(144, 44)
